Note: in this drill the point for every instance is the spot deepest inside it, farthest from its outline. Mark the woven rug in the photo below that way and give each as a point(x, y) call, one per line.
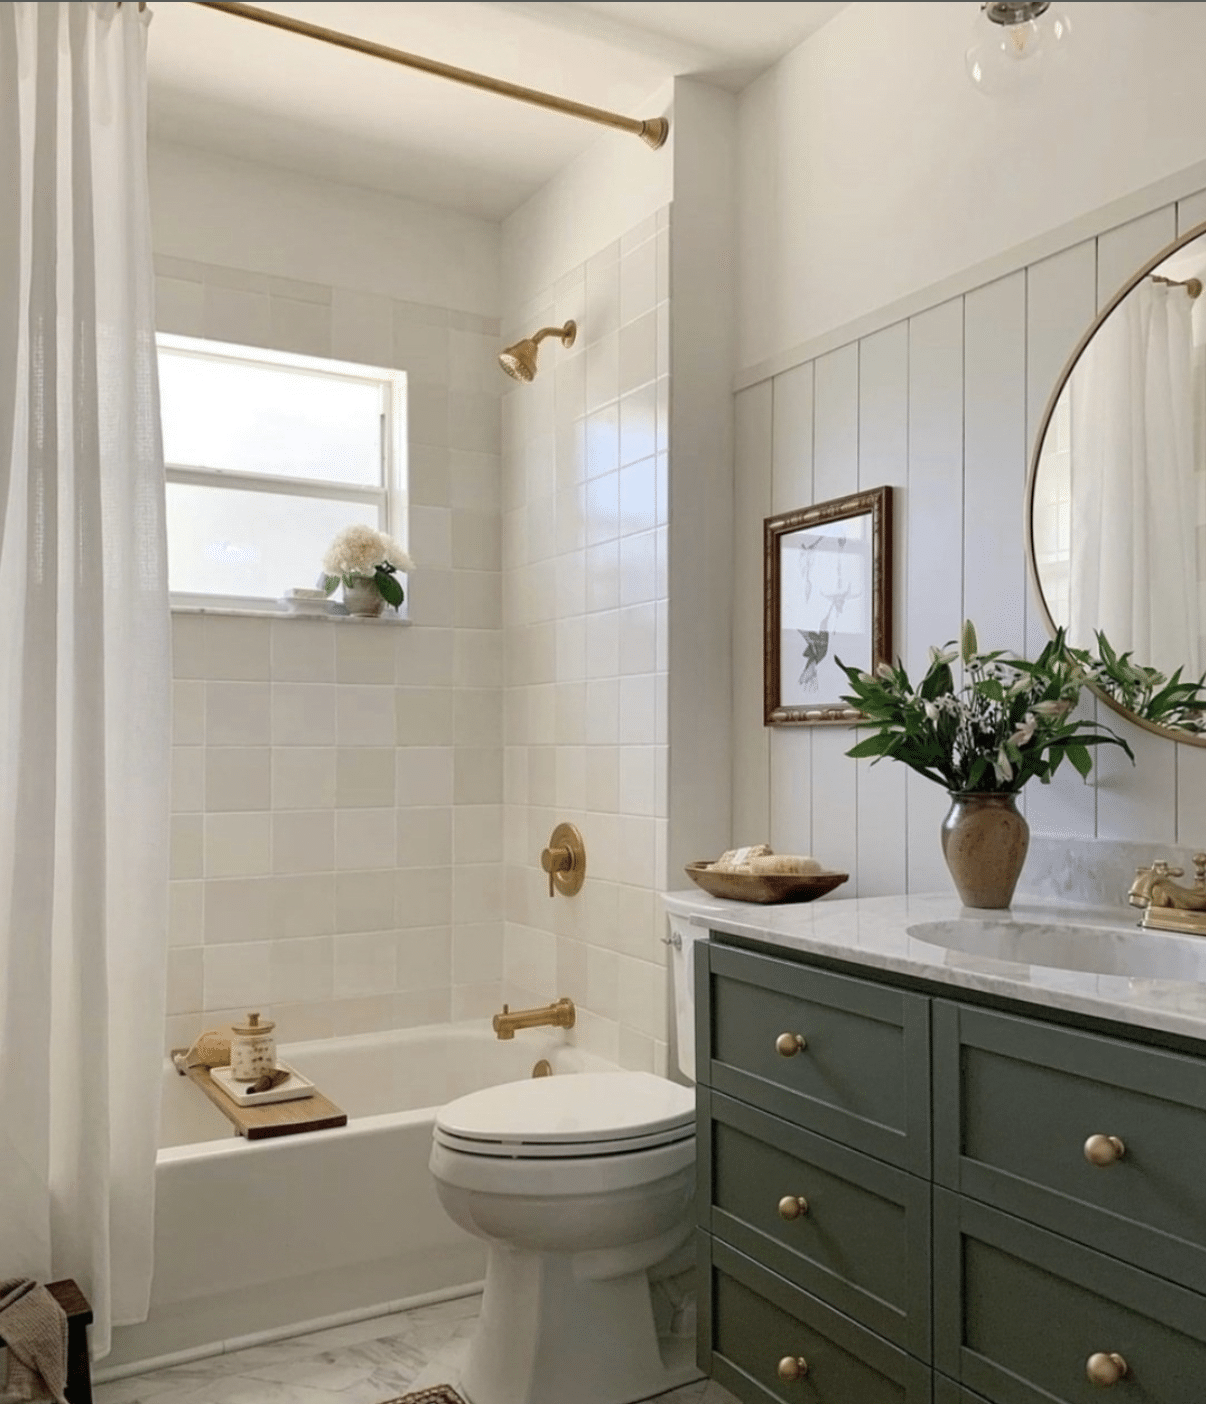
point(437, 1394)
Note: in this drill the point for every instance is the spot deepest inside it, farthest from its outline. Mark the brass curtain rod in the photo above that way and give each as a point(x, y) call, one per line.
point(1193, 286)
point(652, 131)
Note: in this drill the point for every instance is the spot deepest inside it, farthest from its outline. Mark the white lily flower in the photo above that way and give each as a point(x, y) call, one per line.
point(1052, 709)
point(930, 710)
point(1003, 767)
point(1026, 731)
point(885, 671)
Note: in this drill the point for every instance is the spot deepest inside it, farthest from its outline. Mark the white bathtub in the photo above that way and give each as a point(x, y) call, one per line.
point(256, 1237)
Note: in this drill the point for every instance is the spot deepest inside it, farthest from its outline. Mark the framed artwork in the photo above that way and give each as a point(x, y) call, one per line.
point(828, 574)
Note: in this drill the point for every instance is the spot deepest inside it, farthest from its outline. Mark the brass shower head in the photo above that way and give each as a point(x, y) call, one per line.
point(519, 361)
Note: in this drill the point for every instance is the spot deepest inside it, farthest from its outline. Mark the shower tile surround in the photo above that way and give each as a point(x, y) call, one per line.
point(584, 552)
point(341, 792)
point(337, 787)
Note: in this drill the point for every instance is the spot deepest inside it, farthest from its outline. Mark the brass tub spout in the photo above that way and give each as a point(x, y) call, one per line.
point(559, 1015)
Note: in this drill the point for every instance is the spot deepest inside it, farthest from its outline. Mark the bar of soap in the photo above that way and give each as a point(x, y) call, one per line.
point(791, 863)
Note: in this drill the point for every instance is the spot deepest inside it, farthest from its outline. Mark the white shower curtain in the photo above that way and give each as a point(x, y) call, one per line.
point(84, 659)
point(1134, 483)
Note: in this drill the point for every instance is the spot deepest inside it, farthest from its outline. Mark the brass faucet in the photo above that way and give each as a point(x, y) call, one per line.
point(1168, 906)
point(559, 1015)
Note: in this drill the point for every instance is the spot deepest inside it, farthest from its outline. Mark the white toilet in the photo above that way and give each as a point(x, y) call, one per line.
point(582, 1186)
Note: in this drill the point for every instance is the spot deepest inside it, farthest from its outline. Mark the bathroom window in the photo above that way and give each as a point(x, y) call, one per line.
point(268, 455)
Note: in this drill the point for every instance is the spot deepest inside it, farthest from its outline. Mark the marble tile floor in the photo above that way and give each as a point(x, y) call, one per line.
point(365, 1363)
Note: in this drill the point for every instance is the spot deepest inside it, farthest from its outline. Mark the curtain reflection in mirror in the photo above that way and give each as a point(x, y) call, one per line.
point(1123, 497)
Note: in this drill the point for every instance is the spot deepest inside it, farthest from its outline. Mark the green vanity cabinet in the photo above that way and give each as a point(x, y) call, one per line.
point(862, 1074)
point(1020, 1311)
point(851, 1230)
point(1016, 1100)
point(896, 1206)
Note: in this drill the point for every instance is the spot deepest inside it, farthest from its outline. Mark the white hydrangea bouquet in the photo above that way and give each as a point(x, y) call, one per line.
point(362, 558)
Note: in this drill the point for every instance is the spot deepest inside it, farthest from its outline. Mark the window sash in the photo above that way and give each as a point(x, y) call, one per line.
point(285, 487)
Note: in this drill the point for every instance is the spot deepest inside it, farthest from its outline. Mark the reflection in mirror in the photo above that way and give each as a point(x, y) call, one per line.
point(1118, 493)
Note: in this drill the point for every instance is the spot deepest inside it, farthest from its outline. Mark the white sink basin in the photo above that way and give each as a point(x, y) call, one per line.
point(1097, 950)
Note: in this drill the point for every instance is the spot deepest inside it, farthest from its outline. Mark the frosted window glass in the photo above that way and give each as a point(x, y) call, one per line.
point(269, 419)
point(227, 542)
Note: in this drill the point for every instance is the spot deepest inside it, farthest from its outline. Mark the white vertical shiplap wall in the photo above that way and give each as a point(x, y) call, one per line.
point(944, 406)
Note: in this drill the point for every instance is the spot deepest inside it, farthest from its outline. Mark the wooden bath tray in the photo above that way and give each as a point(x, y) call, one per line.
point(314, 1113)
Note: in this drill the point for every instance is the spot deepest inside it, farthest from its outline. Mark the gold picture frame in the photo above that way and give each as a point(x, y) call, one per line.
point(828, 594)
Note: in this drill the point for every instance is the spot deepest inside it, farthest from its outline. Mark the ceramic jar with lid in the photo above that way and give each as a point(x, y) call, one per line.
point(252, 1049)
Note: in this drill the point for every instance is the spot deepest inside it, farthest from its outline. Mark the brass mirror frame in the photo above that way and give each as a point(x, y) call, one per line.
point(1188, 738)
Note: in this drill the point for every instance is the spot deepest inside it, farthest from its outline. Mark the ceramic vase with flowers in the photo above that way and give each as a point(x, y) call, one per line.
point(1010, 721)
point(367, 563)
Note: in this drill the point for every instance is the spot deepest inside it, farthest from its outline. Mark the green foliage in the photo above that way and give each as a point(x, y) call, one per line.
point(384, 578)
point(1008, 722)
point(1149, 693)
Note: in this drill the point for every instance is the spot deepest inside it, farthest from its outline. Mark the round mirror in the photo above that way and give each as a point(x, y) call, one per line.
point(1117, 496)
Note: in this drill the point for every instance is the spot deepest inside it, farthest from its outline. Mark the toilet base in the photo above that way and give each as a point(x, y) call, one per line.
point(548, 1334)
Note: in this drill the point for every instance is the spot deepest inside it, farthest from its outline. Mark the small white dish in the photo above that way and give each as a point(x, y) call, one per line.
point(305, 605)
point(291, 1090)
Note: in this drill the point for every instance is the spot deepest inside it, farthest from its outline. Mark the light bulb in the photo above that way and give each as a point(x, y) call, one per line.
point(1013, 43)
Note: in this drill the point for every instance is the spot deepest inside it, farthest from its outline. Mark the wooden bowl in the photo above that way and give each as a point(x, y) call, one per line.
point(764, 887)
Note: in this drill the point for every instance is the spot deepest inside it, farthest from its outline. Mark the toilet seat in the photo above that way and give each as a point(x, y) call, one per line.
point(583, 1115)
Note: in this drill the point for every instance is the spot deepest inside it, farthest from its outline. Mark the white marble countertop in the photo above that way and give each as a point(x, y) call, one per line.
point(1087, 960)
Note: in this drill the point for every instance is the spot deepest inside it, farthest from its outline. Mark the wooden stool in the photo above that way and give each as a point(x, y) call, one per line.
point(79, 1318)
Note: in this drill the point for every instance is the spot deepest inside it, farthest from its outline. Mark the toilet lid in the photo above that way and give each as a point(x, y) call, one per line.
point(571, 1114)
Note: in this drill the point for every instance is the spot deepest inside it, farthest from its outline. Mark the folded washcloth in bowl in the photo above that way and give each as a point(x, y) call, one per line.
point(34, 1328)
point(792, 863)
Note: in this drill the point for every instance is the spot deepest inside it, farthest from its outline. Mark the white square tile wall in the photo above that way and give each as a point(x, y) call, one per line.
point(337, 834)
point(584, 525)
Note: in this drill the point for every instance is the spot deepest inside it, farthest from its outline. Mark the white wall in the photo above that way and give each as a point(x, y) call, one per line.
point(941, 399)
point(337, 786)
point(610, 189)
point(871, 168)
point(240, 214)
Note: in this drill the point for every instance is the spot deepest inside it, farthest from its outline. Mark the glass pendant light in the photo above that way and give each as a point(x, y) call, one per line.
point(1014, 42)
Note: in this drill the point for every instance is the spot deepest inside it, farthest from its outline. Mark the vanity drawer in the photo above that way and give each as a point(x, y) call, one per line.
point(1015, 1102)
point(862, 1074)
point(948, 1392)
point(861, 1242)
point(755, 1319)
point(1019, 1312)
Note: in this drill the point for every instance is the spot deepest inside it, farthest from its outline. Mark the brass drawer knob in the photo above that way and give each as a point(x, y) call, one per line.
point(791, 1206)
point(1103, 1369)
point(787, 1045)
point(1103, 1150)
point(795, 1367)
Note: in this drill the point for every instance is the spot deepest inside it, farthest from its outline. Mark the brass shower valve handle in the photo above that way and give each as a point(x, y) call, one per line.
point(565, 861)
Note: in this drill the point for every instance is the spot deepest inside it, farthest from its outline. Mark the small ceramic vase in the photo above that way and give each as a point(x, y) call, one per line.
point(363, 597)
point(252, 1049)
point(984, 842)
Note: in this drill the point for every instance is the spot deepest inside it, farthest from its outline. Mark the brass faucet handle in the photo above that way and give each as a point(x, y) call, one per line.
point(556, 860)
point(564, 860)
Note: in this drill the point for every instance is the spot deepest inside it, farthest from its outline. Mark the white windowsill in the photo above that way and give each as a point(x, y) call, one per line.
point(268, 612)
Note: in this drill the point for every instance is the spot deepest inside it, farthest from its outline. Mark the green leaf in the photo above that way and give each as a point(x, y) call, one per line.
point(878, 745)
point(391, 591)
point(1080, 758)
point(328, 584)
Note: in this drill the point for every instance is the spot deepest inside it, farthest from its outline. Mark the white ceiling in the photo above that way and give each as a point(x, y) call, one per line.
point(227, 84)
